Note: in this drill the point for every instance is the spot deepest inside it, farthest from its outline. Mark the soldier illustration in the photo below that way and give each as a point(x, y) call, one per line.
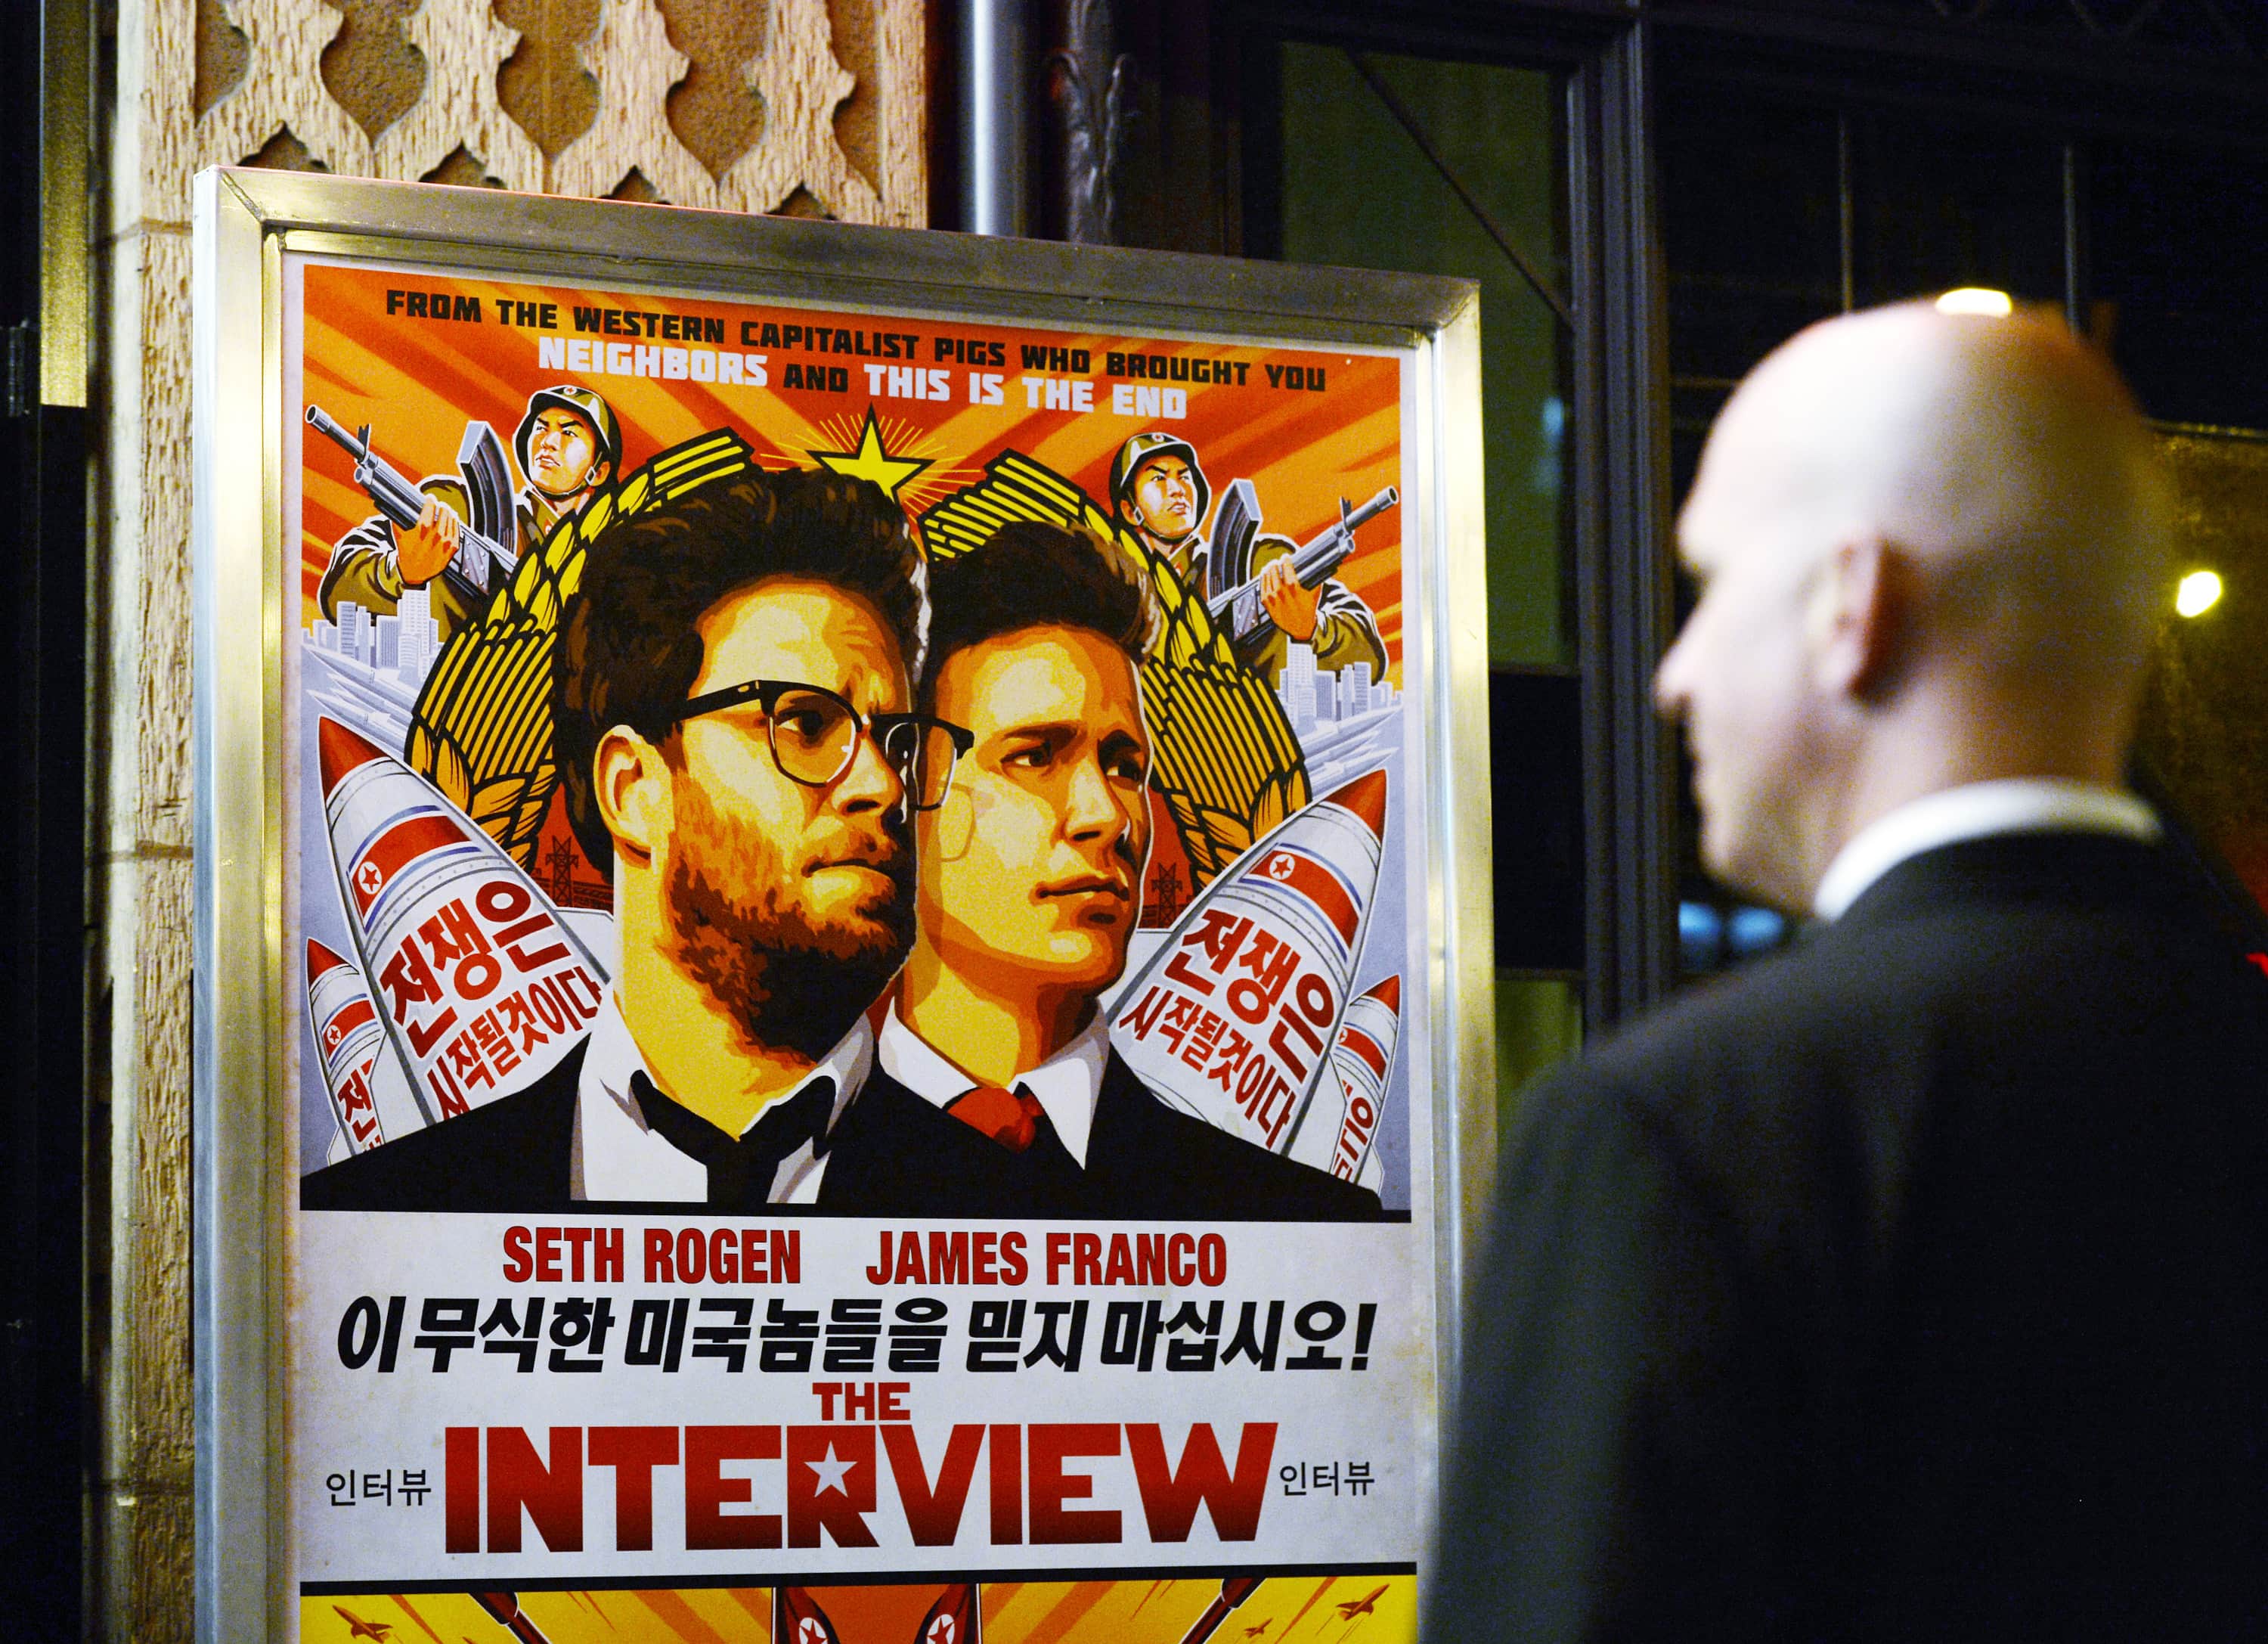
point(569, 447)
point(1161, 494)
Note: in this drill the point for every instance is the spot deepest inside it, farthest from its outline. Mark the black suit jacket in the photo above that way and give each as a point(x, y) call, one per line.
point(891, 1154)
point(1911, 1284)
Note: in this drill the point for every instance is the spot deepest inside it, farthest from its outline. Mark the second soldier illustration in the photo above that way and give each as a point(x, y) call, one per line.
point(1161, 494)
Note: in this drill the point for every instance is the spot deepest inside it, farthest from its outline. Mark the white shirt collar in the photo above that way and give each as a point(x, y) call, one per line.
point(618, 1156)
point(1066, 1086)
point(2015, 805)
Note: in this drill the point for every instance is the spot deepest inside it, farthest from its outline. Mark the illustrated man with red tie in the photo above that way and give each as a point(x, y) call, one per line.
point(995, 1091)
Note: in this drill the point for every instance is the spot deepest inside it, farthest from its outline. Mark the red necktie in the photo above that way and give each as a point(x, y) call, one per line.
point(1010, 1117)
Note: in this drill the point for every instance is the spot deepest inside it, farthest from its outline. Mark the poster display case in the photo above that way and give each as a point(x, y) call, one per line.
point(842, 925)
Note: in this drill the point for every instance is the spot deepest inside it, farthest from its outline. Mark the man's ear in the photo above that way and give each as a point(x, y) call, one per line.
point(632, 785)
point(1860, 617)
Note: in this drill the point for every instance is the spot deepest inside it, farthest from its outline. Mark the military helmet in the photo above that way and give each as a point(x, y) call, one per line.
point(606, 432)
point(1140, 449)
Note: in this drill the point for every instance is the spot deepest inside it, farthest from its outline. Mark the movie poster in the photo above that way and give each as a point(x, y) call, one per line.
point(854, 888)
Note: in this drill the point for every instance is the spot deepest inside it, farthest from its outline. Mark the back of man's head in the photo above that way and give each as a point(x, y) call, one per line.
point(1934, 551)
point(2001, 453)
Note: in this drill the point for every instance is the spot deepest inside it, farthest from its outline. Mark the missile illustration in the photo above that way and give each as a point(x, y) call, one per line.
point(1233, 1018)
point(352, 1043)
point(503, 1608)
point(1234, 1590)
point(1338, 1138)
point(956, 1617)
point(797, 1619)
point(481, 985)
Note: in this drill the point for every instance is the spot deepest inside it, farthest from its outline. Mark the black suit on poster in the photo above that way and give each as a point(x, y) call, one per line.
point(1911, 1284)
point(897, 1154)
point(891, 1154)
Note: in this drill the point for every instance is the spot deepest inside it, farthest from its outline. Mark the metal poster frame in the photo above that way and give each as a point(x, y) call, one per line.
point(247, 223)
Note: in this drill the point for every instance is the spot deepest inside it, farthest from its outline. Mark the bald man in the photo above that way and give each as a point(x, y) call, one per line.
point(1912, 1282)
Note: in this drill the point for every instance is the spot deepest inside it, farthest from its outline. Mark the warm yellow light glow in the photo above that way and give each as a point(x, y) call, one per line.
point(1975, 299)
point(2196, 593)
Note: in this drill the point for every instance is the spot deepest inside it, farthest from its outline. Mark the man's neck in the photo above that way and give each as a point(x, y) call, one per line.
point(695, 1050)
point(990, 1034)
point(1983, 742)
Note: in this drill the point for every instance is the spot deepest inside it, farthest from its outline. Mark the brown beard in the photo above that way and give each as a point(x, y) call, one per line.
point(737, 927)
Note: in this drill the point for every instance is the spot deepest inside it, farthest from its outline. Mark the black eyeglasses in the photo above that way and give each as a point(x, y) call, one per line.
point(814, 736)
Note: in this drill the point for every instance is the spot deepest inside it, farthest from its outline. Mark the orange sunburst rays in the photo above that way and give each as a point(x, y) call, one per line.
point(885, 449)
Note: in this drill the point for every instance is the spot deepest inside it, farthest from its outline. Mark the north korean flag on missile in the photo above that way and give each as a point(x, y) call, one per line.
point(956, 1617)
point(1233, 1018)
point(797, 1619)
point(350, 1039)
point(1341, 1137)
point(481, 987)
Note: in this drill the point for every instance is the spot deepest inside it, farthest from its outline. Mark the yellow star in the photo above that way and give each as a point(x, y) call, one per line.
point(870, 461)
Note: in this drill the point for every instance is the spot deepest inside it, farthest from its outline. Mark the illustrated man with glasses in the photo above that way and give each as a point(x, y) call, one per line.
point(732, 692)
point(998, 1093)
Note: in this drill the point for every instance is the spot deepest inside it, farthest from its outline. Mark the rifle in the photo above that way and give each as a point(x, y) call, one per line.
point(479, 464)
point(1312, 562)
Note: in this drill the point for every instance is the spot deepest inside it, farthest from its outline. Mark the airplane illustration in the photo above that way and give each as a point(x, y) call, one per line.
point(1365, 1605)
point(359, 1628)
point(1254, 1632)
